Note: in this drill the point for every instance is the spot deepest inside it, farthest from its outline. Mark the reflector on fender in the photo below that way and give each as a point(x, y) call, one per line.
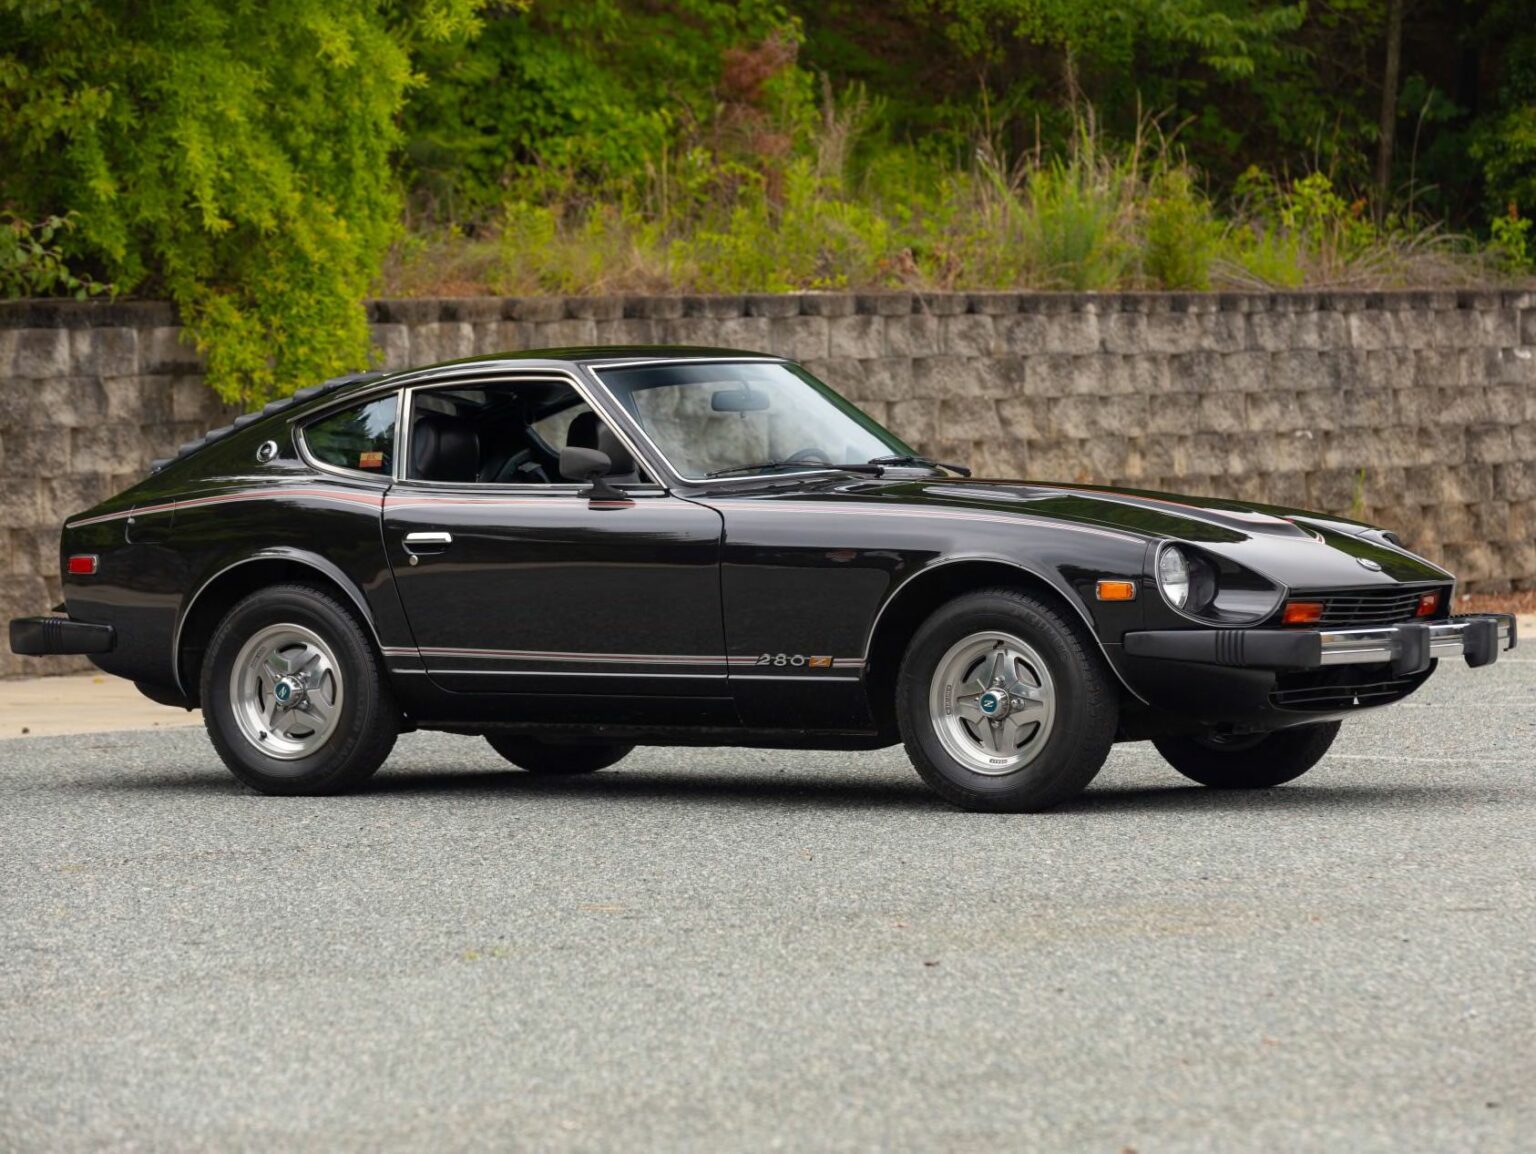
point(1303, 612)
point(83, 564)
point(1117, 590)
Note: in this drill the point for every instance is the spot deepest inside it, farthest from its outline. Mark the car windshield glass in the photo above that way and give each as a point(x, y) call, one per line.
point(743, 418)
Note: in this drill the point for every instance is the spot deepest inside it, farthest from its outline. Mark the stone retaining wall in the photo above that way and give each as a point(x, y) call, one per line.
point(1414, 409)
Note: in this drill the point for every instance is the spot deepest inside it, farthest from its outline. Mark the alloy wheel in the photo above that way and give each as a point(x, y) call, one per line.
point(992, 701)
point(286, 691)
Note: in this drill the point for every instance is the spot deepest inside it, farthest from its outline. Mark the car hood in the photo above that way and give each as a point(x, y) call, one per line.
point(1298, 548)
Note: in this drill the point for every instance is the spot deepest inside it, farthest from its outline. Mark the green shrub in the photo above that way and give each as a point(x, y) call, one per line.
point(235, 157)
point(815, 239)
point(32, 264)
point(1511, 239)
point(1179, 233)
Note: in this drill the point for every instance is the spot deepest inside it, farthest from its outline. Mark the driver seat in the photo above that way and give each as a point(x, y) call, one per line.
point(444, 448)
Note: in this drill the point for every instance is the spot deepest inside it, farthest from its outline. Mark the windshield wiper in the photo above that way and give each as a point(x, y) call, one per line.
point(913, 459)
point(870, 467)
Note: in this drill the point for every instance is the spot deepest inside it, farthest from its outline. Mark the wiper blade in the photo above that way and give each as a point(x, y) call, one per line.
point(913, 459)
point(870, 467)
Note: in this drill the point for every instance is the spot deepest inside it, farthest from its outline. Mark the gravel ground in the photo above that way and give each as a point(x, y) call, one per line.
point(721, 950)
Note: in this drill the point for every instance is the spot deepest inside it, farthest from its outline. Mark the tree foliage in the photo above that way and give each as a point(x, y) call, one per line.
point(572, 94)
point(234, 156)
point(255, 162)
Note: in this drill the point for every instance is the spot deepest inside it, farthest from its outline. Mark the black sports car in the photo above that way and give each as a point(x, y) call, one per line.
point(576, 551)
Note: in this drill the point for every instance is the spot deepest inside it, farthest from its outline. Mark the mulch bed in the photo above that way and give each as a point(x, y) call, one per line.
point(1523, 603)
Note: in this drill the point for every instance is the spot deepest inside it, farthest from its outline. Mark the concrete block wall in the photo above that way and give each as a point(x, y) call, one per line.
point(1413, 409)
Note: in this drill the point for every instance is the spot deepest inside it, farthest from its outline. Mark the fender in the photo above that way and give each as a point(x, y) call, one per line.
point(278, 553)
point(1051, 581)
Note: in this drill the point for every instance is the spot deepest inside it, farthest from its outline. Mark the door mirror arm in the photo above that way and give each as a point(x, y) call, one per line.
point(592, 467)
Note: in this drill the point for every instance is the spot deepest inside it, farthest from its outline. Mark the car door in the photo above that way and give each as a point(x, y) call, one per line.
point(569, 608)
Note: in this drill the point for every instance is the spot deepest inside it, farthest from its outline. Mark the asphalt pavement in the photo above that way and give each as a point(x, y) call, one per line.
point(723, 950)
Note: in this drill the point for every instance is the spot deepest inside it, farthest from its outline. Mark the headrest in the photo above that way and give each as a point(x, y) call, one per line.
point(444, 448)
point(583, 431)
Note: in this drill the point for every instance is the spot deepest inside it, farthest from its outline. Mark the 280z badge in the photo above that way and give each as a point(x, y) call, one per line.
point(796, 660)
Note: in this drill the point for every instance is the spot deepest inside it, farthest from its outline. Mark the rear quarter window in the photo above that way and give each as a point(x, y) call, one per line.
point(361, 439)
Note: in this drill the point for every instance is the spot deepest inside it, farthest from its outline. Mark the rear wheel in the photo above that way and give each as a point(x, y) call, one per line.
point(1004, 704)
point(1248, 761)
point(293, 696)
point(554, 758)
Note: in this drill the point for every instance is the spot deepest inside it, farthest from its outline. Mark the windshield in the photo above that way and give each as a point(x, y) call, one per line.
point(744, 418)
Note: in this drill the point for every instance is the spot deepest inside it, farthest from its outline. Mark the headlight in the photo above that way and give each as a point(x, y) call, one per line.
point(1173, 576)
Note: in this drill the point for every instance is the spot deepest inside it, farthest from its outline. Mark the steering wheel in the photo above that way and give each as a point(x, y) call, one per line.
point(808, 455)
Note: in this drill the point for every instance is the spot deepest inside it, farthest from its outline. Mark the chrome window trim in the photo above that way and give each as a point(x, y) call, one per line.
point(308, 457)
point(596, 371)
point(597, 400)
point(663, 362)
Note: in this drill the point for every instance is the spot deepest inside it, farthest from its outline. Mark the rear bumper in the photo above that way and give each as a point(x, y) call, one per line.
point(53, 636)
point(1408, 648)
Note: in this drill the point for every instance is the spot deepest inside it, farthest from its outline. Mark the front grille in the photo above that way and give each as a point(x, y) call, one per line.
point(1330, 690)
point(1364, 607)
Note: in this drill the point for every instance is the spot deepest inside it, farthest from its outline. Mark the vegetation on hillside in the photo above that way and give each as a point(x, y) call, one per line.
point(268, 167)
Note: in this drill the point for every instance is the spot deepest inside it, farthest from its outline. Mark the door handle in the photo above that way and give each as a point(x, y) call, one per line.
point(416, 543)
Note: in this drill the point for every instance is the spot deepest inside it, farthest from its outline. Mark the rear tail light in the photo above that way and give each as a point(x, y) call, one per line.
point(1303, 612)
point(1428, 603)
point(83, 564)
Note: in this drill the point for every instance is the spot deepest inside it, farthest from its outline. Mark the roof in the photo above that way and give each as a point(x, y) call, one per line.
point(590, 354)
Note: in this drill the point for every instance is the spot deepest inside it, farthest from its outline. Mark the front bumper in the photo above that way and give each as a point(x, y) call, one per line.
point(1408, 648)
point(53, 636)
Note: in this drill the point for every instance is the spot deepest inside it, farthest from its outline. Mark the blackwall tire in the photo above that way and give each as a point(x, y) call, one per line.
point(557, 759)
point(1055, 703)
point(1253, 763)
point(297, 644)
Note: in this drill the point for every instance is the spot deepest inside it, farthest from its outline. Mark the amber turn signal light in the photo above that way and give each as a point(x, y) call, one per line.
point(1303, 612)
point(1117, 590)
point(83, 564)
point(1428, 603)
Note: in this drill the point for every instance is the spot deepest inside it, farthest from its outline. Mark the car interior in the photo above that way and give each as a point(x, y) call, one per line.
point(509, 433)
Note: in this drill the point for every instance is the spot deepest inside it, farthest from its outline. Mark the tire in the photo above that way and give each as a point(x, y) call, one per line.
point(1053, 731)
point(298, 643)
point(1256, 762)
point(555, 758)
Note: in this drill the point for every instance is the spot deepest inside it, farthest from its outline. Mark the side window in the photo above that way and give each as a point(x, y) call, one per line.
point(507, 432)
point(360, 439)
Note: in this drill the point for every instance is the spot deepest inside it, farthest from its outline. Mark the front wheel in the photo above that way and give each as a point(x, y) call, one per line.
point(1004, 704)
point(555, 758)
point(293, 696)
point(1248, 761)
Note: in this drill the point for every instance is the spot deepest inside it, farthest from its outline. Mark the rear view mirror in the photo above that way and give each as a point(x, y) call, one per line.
point(738, 401)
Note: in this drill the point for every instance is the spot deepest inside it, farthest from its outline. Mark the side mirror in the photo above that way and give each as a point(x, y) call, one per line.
point(591, 466)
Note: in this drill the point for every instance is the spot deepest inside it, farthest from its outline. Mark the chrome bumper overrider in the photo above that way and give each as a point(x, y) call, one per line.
point(1407, 648)
point(1454, 638)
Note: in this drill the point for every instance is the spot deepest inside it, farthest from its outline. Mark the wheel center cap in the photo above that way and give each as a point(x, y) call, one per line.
point(994, 703)
point(289, 692)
